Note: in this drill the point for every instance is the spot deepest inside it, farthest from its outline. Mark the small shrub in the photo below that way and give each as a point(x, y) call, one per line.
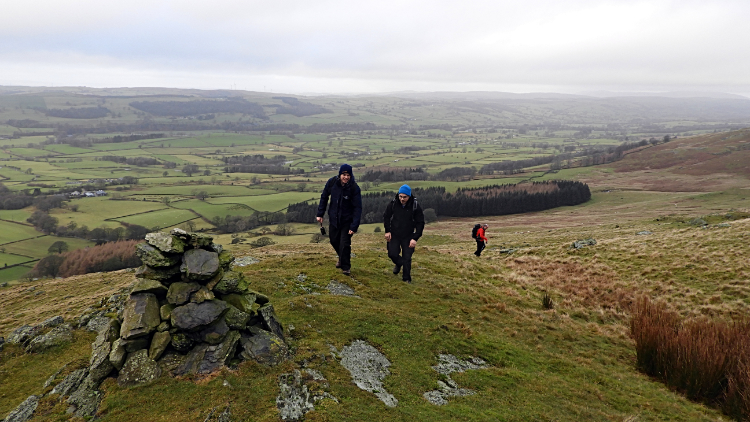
point(547, 302)
point(430, 216)
point(707, 360)
point(261, 242)
point(378, 229)
point(317, 238)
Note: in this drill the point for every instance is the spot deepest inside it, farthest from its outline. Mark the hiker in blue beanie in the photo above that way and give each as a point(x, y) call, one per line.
point(404, 222)
point(344, 214)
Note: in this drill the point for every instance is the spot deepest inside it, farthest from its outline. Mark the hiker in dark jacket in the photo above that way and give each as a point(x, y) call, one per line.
point(344, 214)
point(404, 222)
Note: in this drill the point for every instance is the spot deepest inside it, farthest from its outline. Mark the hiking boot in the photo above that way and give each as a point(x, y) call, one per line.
point(396, 269)
point(407, 280)
point(346, 272)
point(338, 263)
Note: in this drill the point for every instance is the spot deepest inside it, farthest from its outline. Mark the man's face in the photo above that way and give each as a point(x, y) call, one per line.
point(403, 198)
point(345, 177)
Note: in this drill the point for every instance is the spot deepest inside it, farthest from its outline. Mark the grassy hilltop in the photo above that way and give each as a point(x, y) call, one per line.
point(575, 361)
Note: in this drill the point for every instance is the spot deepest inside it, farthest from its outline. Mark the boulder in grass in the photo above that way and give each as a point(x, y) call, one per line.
point(50, 322)
point(24, 411)
point(145, 285)
point(161, 274)
point(57, 336)
point(139, 369)
point(196, 315)
point(166, 242)
point(179, 293)
point(140, 316)
point(154, 257)
point(22, 334)
point(200, 264)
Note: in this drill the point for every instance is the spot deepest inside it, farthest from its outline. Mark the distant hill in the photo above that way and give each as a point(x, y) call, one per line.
point(726, 152)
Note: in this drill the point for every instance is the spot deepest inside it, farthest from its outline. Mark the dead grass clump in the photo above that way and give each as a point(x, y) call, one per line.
point(708, 360)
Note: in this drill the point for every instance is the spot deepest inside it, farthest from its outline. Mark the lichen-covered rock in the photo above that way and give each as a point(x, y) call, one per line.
point(236, 319)
point(165, 312)
point(139, 369)
point(368, 368)
point(57, 336)
point(260, 298)
point(200, 240)
point(24, 411)
point(50, 322)
point(154, 257)
point(161, 274)
point(165, 242)
point(159, 344)
point(578, 244)
point(22, 334)
point(141, 316)
point(217, 248)
point(196, 315)
point(295, 399)
point(99, 365)
point(192, 361)
point(202, 295)
point(70, 383)
point(85, 400)
point(138, 343)
point(145, 285)
point(225, 259)
point(118, 354)
point(179, 293)
point(109, 331)
point(263, 347)
point(242, 302)
point(214, 333)
point(199, 264)
point(232, 282)
point(220, 354)
point(270, 322)
point(182, 342)
point(164, 326)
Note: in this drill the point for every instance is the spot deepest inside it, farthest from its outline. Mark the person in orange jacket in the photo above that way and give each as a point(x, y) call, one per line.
point(481, 239)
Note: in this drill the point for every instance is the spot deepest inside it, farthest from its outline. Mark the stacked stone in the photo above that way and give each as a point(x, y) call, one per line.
point(190, 313)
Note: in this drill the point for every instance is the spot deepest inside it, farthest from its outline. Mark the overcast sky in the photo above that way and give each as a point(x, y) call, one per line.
point(333, 46)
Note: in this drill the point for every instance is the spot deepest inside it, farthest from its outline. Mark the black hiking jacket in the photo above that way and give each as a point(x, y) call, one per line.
point(346, 203)
point(404, 222)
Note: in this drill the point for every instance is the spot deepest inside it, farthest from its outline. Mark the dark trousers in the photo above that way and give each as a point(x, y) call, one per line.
point(341, 241)
point(401, 247)
point(480, 247)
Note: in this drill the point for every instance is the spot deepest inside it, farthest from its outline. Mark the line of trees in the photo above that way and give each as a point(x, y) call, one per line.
point(237, 223)
point(259, 164)
point(48, 224)
point(77, 113)
point(107, 257)
point(196, 107)
point(131, 161)
point(395, 175)
point(468, 202)
point(299, 108)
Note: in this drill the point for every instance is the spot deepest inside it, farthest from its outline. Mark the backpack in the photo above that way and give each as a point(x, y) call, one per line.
point(475, 230)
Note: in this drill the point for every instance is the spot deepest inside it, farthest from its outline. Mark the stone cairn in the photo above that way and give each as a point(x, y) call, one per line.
point(187, 313)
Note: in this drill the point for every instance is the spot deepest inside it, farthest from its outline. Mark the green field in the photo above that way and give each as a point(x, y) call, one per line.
point(12, 232)
point(161, 218)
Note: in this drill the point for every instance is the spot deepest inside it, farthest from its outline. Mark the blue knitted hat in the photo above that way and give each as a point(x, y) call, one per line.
point(405, 189)
point(346, 168)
